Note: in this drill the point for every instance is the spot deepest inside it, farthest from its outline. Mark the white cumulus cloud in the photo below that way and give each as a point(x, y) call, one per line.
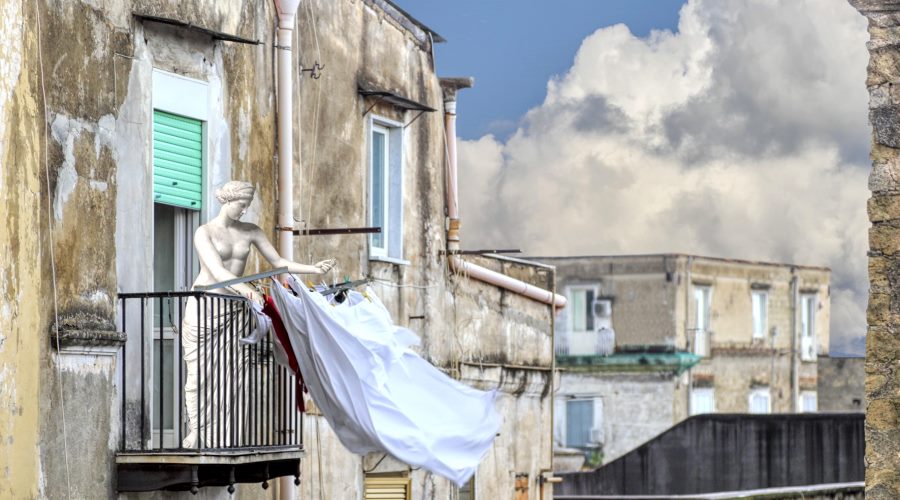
point(743, 134)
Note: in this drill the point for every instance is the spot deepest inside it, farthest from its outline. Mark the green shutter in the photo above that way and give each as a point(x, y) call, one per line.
point(177, 160)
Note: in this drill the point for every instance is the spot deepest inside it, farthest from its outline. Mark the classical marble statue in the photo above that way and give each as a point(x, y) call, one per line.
point(223, 246)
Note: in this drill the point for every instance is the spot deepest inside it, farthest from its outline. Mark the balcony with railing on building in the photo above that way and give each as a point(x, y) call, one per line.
point(206, 399)
point(585, 338)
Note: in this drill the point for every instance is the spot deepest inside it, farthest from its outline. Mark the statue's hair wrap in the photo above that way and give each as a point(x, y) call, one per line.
point(235, 190)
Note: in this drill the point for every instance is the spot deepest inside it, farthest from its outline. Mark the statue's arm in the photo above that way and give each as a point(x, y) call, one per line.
point(270, 254)
point(212, 261)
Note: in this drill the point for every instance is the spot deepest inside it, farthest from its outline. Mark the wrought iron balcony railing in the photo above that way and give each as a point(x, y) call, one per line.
point(191, 386)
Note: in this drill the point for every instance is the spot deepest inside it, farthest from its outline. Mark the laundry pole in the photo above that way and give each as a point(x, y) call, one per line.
point(287, 10)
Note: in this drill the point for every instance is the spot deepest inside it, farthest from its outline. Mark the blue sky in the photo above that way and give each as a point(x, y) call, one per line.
point(513, 48)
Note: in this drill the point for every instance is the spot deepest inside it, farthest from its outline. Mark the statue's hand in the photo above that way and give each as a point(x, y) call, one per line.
point(324, 266)
point(257, 297)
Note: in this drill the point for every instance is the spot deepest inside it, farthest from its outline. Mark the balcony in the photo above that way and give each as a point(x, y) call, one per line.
point(200, 406)
point(601, 342)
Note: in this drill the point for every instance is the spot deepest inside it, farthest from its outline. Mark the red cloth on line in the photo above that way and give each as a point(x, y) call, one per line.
point(281, 334)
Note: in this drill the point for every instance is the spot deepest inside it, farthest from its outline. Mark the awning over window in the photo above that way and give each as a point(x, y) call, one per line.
point(392, 98)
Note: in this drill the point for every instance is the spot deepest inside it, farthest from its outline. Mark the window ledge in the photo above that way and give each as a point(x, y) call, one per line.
point(391, 260)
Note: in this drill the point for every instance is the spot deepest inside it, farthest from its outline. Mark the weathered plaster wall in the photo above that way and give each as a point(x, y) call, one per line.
point(460, 320)
point(643, 290)
point(882, 345)
point(99, 62)
point(841, 383)
point(636, 406)
point(23, 234)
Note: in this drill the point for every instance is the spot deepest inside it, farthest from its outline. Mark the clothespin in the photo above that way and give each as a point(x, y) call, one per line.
point(309, 284)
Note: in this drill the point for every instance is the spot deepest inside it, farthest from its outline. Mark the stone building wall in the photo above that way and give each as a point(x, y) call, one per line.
point(653, 304)
point(882, 347)
point(98, 65)
point(636, 406)
point(841, 384)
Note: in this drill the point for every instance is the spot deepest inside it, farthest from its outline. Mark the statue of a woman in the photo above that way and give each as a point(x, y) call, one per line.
point(223, 246)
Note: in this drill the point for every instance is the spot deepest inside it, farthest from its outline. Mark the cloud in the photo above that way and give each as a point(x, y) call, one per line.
point(744, 134)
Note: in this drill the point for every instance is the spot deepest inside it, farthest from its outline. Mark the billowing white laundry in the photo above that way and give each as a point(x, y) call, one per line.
point(376, 393)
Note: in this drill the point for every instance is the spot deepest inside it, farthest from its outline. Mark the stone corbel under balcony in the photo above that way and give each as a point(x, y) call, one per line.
point(85, 332)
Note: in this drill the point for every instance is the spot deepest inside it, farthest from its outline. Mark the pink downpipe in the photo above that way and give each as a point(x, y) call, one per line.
point(466, 268)
point(504, 281)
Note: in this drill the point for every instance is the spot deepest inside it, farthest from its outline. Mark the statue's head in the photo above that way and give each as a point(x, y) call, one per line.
point(235, 197)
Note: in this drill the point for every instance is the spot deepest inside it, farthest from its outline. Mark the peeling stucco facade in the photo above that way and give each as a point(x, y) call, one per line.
point(95, 211)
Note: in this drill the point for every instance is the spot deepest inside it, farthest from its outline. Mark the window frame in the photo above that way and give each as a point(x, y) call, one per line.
point(761, 321)
point(697, 391)
point(375, 250)
point(187, 97)
point(704, 331)
point(393, 189)
point(809, 303)
point(757, 392)
point(806, 396)
point(190, 98)
point(595, 403)
point(571, 290)
point(373, 482)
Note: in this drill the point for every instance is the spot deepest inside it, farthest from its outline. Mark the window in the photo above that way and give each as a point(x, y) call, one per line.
point(584, 423)
point(809, 401)
point(180, 110)
point(582, 316)
point(386, 189)
point(387, 487)
point(760, 306)
point(702, 296)
point(174, 269)
point(760, 400)
point(808, 306)
point(703, 400)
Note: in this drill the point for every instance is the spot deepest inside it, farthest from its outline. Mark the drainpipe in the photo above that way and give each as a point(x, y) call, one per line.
point(689, 343)
point(287, 10)
point(450, 87)
point(795, 351)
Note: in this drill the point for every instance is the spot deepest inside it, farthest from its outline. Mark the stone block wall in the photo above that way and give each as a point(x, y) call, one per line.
point(840, 384)
point(882, 382)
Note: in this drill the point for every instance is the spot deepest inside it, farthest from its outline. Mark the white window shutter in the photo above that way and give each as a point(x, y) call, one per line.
point(597, 435)
point(559, 422)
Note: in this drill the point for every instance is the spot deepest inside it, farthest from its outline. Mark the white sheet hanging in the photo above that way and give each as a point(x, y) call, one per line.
point(377, 394)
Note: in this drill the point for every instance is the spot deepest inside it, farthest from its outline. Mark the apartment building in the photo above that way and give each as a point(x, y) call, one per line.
point(648, 340)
